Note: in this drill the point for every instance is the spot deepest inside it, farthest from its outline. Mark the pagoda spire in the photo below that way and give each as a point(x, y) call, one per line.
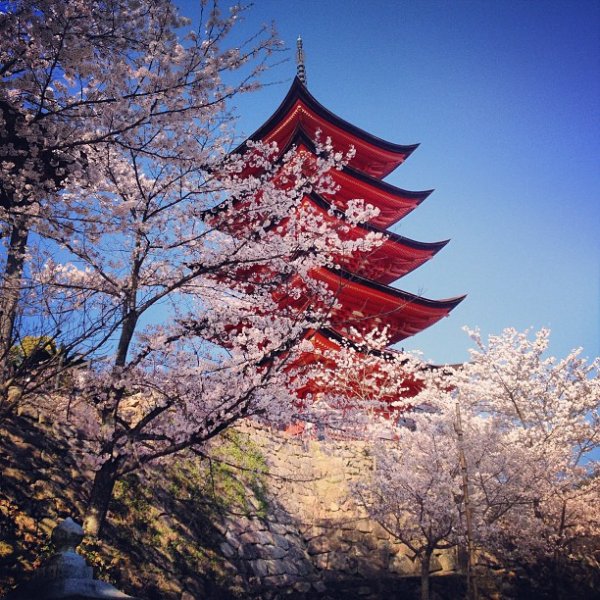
point(300, 68)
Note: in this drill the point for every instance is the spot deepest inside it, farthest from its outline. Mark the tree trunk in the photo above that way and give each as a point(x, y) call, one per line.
point(10, 293)
point(127, 330)
point(100, 497)
point(472, 593)
point(106, 476)
point(11, 282)
point(425, 566)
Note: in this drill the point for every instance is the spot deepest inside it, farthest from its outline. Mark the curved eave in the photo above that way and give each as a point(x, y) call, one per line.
point(364, 304)
point(326, 338)
point(393, 202)
point(393, 258)
point(298, 97)
point(446, 304)
point(392, 190)
point(329, 339)
point(429, 247)
point(301, 137)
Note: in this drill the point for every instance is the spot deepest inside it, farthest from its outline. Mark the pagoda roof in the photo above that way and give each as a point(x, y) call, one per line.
point(324, 340)
point(393, 258)
point(385, 262)
point(374, 156)
point(393, 202)
point(363, 304)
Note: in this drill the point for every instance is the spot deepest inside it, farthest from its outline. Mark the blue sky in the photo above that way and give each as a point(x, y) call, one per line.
point(504, 98)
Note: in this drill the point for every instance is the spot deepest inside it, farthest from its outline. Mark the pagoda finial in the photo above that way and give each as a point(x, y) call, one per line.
point(300, 68)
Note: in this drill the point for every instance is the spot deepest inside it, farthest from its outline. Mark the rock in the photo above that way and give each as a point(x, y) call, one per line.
point(318, 545)
point(259, 567)
point(280, 540)
point(274, 551)
point(302, 586)
point(338, 561)
point(351, 535)
point(321, 561)
point(227, 550)
point(435, 565)
point(403, 565)
point(263, 567)
point(364, 526)
point(251, 552)
point(280, 580)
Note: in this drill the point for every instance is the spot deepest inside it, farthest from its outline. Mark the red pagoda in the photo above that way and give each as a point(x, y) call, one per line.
point(362, 282)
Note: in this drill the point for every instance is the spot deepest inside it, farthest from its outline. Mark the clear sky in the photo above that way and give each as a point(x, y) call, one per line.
point(504, 98)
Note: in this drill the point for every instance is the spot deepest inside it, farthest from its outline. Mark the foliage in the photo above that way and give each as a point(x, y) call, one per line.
point(82, 80)
point(231, 478)
point(33, 350)
point(414, 490)
point(545, 416)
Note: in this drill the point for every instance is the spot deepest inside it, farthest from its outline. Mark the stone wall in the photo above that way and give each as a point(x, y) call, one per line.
point(314, 540)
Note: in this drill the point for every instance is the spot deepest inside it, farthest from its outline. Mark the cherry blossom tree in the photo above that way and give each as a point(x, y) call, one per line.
point(414, 491)
point(78, 78)
point(518, 465)
point(183, 269)
point(540, 485)
point(172, 247)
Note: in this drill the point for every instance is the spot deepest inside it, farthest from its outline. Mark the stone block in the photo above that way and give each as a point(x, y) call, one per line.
point(283, 580)
point(274, 552)
point(321, 561)
point(435, 565)
point(260, 536)
point(278, 528)
point(251, 551)
point(365, 526)
point(318, 545)
point(403, 565)
point(352, 536)
point(302, 586)
point(227, 550)
point(232, 539)
point(447, 561)
point(296, 554)
point(304, 568)
point(263, 567)
point(338, 561)
point(312, 532)
point(372, 543)
point(259, 567)
point(247, 538)
point(280, 540)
